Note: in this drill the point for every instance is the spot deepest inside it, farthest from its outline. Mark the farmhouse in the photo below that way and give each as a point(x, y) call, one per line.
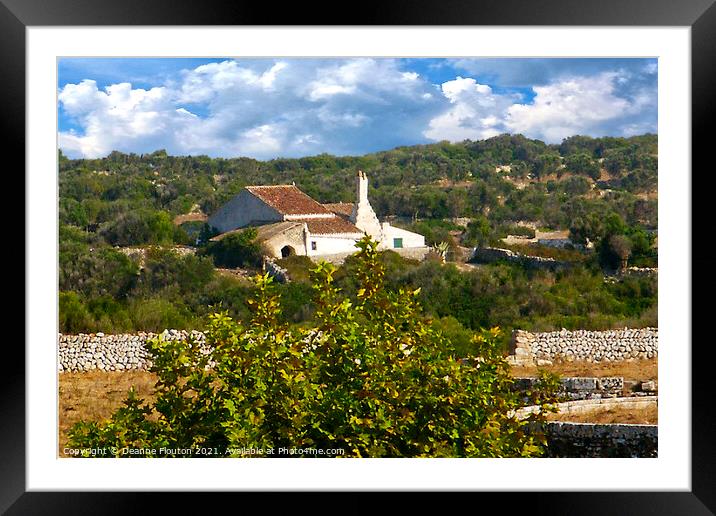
point(289, 222)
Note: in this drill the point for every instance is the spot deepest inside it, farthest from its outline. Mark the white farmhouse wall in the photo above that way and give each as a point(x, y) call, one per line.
point(241, 210)
point(293, 237)
point(410, 239)
point(328, 244)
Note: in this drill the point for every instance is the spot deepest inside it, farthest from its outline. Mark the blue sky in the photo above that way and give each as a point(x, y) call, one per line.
point(292, 107)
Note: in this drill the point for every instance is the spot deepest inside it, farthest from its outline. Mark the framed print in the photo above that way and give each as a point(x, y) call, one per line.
point(303, 139)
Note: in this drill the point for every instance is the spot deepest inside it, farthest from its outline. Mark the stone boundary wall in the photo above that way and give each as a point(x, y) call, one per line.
point(275, 270)
point(581, 388)
point(495, 254)
point(641, 271)
point(583, 345)
point(589, 405)
point(413, 253)
point(120, 352)
point(585, 440)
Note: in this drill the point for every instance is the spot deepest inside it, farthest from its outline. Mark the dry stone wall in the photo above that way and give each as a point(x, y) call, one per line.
point(584, 345)
point(495, 254)
point(275, 270)
point(581, 388)
point(587, 406)
point(121, 352)
point(599, 440)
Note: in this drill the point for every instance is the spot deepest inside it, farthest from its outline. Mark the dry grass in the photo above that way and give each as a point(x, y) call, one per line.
point(642, 416)
point(636, 370)
point(96, 395)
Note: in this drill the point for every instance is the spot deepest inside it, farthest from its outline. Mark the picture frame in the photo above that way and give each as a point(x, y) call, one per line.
point(700, 15)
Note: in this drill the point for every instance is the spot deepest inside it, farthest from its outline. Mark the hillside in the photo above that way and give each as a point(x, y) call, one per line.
point(511, 177)
point(470, 193)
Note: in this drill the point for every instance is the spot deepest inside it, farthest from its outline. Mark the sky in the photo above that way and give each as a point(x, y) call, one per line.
point(293, 107)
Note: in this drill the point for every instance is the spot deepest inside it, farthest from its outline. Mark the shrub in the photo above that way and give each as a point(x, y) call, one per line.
point(74, 316)
point(142, 226)
point(156, 314)
point(371, 378)
point(298, 267)
point(237, 249)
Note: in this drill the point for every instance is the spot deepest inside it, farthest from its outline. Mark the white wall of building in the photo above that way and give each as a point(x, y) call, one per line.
point(409, 239)
point(328, 244)
point(294, 238)
point(241, 210)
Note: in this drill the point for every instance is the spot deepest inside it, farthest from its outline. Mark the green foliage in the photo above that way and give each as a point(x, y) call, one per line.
point(166, 269)
point(157, 314)
point(434, 231)
point(74, 316)
point(130, 199)
point(575, 185)
point(620, 248)
point(511, 297)
point(547, 164)
point(96, 271)
point(206, 233)
point(545, 251)
point(478, 232)
point(298, 267)
point(238, 249)
point(433, 181)
point(371, 378)
point(513, 229)
point(583, 164)
point(142, 226)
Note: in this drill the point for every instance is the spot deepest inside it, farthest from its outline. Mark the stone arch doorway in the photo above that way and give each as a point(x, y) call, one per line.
point(287, 251)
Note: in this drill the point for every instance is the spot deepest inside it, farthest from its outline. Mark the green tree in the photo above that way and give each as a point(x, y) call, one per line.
point(478, 232)
point(582, 163)
point(74, 316)
point(142, 226)
point(236, 249)
point(372, 378)
point(621, 246)
point(547, 164)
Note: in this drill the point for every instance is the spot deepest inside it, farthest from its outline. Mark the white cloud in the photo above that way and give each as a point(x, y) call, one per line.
point(271, 108)
point(117, 117)
point(259, 108)
point(475, 112)
point(579, 105)
point(262, 139)
point(607, 103)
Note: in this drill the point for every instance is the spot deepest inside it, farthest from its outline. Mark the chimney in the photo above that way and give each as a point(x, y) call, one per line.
point(361, 188)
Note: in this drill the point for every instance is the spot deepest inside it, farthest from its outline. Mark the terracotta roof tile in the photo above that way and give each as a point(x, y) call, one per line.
point(344, 209)
point(287, 200)
point(329, 226)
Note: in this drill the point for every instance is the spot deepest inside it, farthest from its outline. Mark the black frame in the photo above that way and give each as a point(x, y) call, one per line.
point(700, 15)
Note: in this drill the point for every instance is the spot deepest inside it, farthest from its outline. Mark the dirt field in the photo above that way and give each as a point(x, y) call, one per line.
point(636, 370)
point(644, 416)
point(96, 395)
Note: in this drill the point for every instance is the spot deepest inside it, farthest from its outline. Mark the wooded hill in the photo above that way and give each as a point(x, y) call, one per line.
point(601, 189)
point(553, 184)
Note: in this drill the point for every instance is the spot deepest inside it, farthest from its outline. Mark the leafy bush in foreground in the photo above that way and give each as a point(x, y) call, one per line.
point(371, 378)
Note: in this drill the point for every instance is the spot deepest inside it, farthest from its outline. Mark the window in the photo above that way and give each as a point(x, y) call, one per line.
point(398, 243)
point(313, 246)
